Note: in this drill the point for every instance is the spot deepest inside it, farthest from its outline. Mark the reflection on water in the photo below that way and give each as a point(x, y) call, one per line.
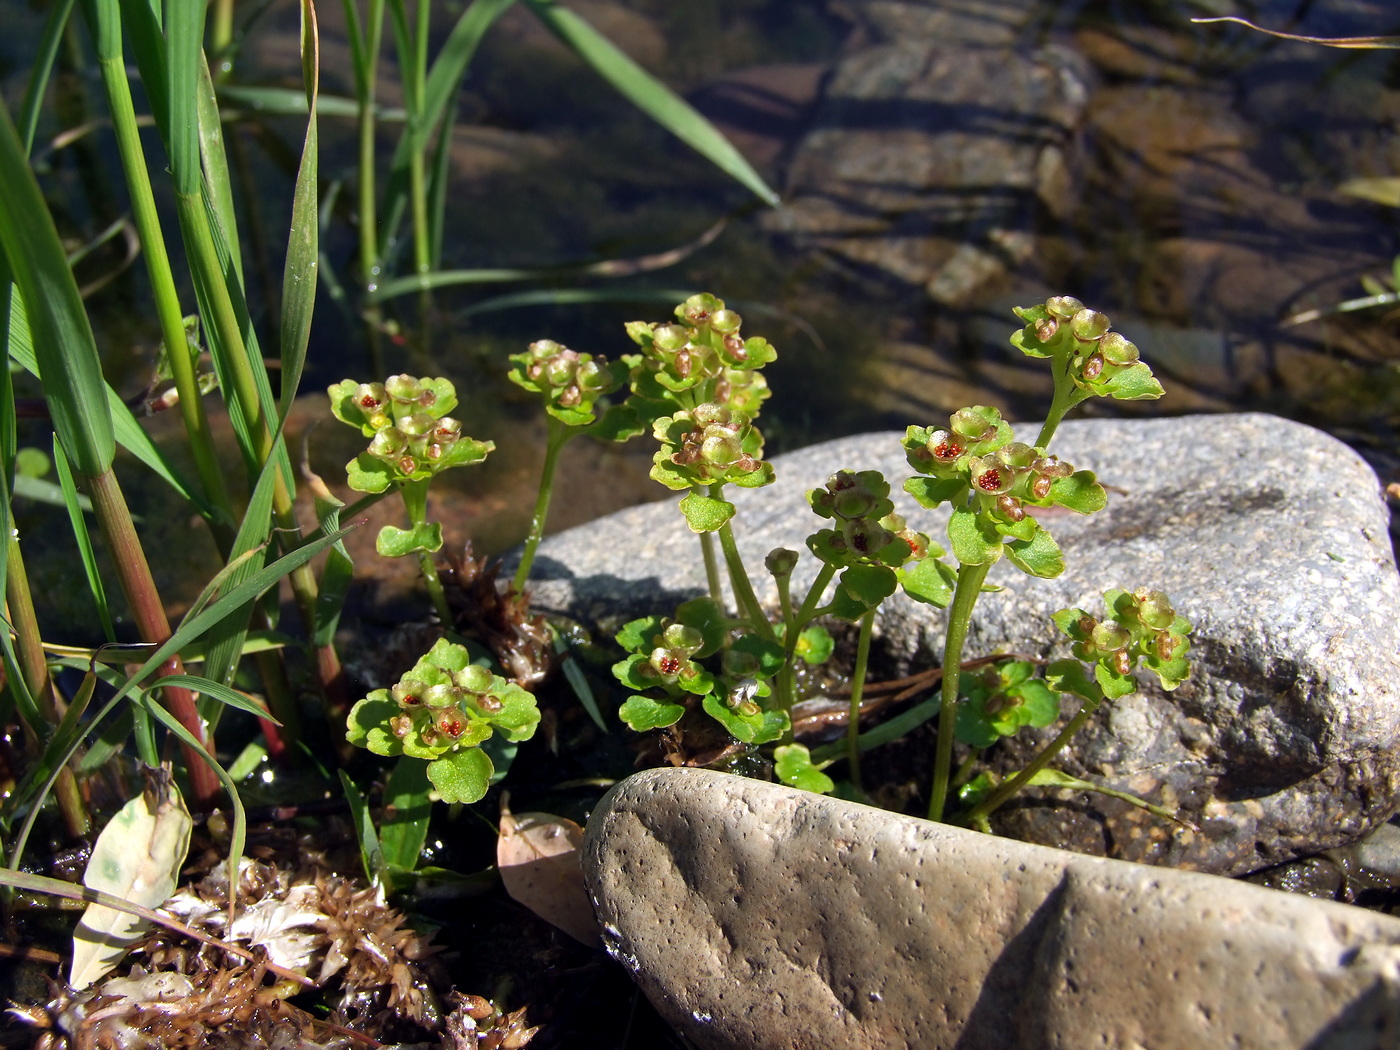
point(941, 161)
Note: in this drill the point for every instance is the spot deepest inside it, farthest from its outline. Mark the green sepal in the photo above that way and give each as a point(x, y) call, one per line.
point(822, 544)
point(972, 540)
point(1134, 383)
point(1040, 557)
point(843, 607)
point(1080, 492)
point(368, 722)
point(869, 584)
point(639, 636)
point(462, 776)
point(758, 728)
point(706, 513)
point(642, 713)
point(394, 542)
point(705, 615)
point(929, 580)
point(1068, 621)
point(792, 764)
point(364, 473)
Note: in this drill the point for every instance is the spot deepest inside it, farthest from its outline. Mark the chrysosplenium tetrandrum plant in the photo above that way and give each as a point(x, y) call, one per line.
point(443, 710)
point(698, 379)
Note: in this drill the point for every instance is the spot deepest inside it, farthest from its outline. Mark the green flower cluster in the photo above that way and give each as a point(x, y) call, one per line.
point(1001, 700)
point(704, 352)
point(570, 383)
point(707, 445)
point(665, 657)
point(990, 480)
point(868, 530)
point(442, 710)
point(1141, 627)
point(412, 436)
point(1097, 360)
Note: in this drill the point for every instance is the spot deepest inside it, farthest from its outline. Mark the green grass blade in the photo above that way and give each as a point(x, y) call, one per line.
point(650, 95)
point(443, 81)
point(289, 102)
point(222, 693)
point(84, 541)
point(303, 253)
point(60, 749)
point(218, 186)
point(143, 32)
point(184, 53)
point(128, 432)
point(58, 322)
point(45, 51)
point(371, 855)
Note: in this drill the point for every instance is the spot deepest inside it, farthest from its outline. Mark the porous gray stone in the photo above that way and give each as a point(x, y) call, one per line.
point(757, 917)
point(1271, 537)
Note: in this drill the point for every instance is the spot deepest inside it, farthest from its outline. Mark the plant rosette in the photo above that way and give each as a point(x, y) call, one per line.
point(412, 437)
point(443, 710)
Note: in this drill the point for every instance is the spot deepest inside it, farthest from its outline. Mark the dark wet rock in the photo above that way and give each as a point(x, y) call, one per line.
point(931, 151)
point(757, 916)
point(1269, 536)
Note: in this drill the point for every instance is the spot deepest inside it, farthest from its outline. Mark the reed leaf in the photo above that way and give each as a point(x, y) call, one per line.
point(65, 348)
point(45, 51)
point(650, 95)
point(303, 252)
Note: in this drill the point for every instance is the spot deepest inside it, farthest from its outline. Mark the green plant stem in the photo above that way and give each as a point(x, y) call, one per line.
point(712, 578)
point(867, 624)
point(808, 611)
point(35, 668)
point(167, 300)
point(744, 595)
point(134, 575)
point(558, 437)
point(993, 801)
point(969, 586)
point(1062, 401)
point(415, 501)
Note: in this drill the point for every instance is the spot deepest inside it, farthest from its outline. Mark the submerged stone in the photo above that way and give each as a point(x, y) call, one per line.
point(761, 917)
point(1271, 537)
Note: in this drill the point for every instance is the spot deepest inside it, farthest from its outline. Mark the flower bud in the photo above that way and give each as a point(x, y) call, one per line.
point(404, 388)
point(1018, 455)
point(417, 424)
point(488, 704)
point(1046, 328)
point(1040, 487)
point(1063, 307)
point(669, 338)
point(1122, 662)
point(1154, 609)
point(1093, 367)
point(1118, 351)
point(725, 321)
point(1089, 325)
point(544, 348)
point(1051, 467)
point(560, 368)
point(1011, 508)
point(781, 561)
point(1167, 645)
point(967, 423)
point(711, 413)
point(1110, 636)
point(721, 449)
point(474, 678)
point(401, 726)
point(388, 444)
point(440, 696)
point(684, 637)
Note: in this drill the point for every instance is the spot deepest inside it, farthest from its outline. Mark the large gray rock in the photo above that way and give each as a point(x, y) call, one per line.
point(756, 917)
point(1271, 537)
point(930, 151)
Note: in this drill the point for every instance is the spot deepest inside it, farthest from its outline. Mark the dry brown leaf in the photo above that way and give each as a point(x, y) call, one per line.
point(537, 855)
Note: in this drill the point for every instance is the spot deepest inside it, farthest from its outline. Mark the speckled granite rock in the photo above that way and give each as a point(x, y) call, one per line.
point(1269, 535)
point(763, 918)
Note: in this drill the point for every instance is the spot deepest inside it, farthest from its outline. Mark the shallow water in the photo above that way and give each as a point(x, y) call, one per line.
point(1195, 200)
